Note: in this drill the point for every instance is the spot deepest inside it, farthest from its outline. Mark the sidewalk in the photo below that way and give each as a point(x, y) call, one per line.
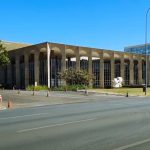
point(40, 98)
point(2, 107)
point(20, 99)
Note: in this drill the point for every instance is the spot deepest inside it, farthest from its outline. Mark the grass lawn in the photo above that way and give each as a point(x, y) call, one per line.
point(131, 91)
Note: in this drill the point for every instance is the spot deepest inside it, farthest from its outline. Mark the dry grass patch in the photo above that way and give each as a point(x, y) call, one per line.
point(131, 91)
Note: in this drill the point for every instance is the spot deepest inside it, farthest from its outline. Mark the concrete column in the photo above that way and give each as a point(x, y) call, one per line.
point(26, 65)
point(140, 71)
point(9, 75)
point(36, 67)
point(122, 67)
point(69, 62)
point(48, 65)
point(78, 59)
point(112, 69)
point(63, 62)
point(131, 71)
point(90, 66)
point(17, 61)
point(101, 71)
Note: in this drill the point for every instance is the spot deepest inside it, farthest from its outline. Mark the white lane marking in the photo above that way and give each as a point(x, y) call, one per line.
point(56, 125)
point(133, 144)
point(23, 116)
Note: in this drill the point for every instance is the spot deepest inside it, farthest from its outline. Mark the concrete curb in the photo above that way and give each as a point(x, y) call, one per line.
point(82, 92)
point(3, 108)
point(93, 92)
point(115, 94)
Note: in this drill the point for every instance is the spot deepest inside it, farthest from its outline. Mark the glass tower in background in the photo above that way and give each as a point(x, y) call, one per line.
point(138, 49)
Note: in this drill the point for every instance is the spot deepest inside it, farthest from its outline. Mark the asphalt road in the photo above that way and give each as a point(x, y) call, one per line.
point(113, 123)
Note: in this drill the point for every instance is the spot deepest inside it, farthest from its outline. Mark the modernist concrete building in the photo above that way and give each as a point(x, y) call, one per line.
point(40, 64)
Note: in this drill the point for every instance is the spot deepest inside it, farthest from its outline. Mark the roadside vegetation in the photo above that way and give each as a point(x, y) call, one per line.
point(69, 88)
point(60, 88)
point(75, 80)
point(123, 91)
point(76, 77)
point(36, 88)
point(79, 80)
point(4, 58)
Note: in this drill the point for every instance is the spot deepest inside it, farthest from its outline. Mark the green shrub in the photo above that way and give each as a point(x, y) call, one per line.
point(36, 88)
point(73, 76)
point(60, 88)
point(69, 88)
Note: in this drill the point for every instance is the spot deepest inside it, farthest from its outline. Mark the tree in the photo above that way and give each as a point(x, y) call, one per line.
point(76, 77)
point(4, 59)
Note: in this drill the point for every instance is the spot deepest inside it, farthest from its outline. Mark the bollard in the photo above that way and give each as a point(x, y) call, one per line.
point(33, 93)
point(47, 94)
point(86, 92)
point(65, 89)
point(77, 89)
point(127, 95)
point(1, 99)
point(19, 91)
point(9, 105)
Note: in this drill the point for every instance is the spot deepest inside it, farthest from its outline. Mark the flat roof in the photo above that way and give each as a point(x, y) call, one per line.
point(13, 45)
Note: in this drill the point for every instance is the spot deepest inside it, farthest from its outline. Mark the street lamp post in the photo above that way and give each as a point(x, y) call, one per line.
point(146, 50)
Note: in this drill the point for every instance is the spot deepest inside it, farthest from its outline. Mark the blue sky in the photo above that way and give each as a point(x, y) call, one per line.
point(109, 24)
